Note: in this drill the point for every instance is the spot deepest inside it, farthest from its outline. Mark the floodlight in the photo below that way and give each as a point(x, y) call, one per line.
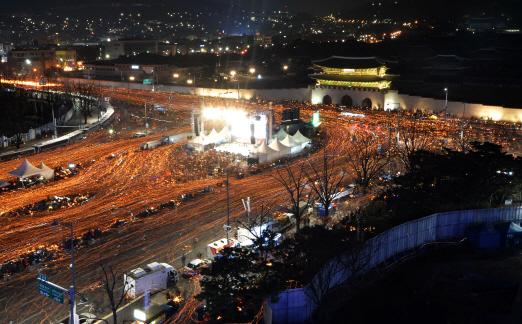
point(140, 315)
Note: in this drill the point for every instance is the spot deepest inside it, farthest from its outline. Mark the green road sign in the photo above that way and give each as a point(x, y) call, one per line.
point(147, 81)
point(42, 277)
point(51, 292)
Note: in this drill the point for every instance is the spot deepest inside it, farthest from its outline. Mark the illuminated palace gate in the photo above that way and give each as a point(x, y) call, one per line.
point(351, 73)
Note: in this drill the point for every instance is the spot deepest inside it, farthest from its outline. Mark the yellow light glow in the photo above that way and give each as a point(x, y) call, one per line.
point(189, 81)
point(131, 78)
point(176, 75)
point(252, 70)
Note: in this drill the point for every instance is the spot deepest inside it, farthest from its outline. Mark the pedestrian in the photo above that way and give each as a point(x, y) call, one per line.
point(183, 258)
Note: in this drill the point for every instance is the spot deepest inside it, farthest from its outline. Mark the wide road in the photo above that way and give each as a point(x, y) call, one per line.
point(128, 183)
point(131, 182)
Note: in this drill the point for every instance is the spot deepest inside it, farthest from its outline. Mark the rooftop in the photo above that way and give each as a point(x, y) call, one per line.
point(343, 62)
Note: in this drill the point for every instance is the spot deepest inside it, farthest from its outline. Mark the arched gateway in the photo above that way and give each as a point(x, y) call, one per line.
point(347, 101)
point(367, 103)
point(327, 100)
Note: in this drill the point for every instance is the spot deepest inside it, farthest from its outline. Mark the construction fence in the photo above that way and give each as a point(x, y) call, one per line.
point(298, 305)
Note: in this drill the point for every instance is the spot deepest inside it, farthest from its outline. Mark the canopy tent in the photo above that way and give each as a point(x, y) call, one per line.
point(265, 153)
point(300, 138)
point(282, 149)
point(214, 138)
point(47, 172)
point(25, 170)
point(483, 236)
point(225, 133)
point(293, 145)
point(508, 231)
point(197, 143)
point(281, 134)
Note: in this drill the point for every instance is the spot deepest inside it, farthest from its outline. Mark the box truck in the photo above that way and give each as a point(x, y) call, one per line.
point(174, 138)
point(281, 223)
point(150, 145)
point(215, 247)
point(150, 279)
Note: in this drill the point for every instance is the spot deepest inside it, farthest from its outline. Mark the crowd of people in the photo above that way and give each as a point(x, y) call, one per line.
point(48, 205)
point(25, 261)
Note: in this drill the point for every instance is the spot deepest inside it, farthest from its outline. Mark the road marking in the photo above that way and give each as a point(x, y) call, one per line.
point(30, 317)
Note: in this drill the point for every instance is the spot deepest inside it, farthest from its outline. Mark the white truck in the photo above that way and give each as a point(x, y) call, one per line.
point(278, 225)
point(174, 138)
point(150, 279)
point(150, 145)
point(215, 247)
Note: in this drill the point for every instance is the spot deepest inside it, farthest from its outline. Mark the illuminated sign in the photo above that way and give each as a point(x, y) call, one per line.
point(348, 70)
point(135, 67)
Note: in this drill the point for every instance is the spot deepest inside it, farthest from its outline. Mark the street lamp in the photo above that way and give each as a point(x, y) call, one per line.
point(252, 71)
point(446, 104)
point(73, 319)
point(232, 73)
point(285, 67)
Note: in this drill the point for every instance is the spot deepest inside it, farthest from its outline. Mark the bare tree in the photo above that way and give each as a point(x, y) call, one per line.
point(254, 229)
point(111, 281)
point(86, 102)
point(326, 178)
point(364, 158)
point(412, 138)
point(295, 180)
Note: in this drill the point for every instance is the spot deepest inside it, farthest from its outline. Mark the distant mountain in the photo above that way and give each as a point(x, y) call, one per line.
point(429, 10)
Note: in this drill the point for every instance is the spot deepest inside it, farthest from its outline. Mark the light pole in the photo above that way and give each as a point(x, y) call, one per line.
point(228, 216)
point(73, 319)
point(445, 105)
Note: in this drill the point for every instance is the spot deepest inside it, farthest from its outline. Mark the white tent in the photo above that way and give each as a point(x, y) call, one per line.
point(293, 145)
point(214, 138)
point(197, 143)
point(265, 153)
point(281, 134)
point(300, 138)
point(47, 172)
point(25, 170)
point(282, 149)
point(225, 133)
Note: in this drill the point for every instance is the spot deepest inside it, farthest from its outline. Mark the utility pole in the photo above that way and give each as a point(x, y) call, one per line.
point(462, 128)
point(446, 105)
point(389, 152)
point(228, 216)
point(247, 208)
point(398, 125)
point(146, 125)
point(73, 302)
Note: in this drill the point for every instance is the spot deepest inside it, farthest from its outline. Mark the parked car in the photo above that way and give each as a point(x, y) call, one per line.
point(193, 267)
point(139, 135)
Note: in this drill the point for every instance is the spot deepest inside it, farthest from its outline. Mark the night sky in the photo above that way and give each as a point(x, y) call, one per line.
point(313, 7)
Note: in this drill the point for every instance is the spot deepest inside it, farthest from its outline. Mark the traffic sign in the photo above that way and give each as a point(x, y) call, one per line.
point(147, 81)
point(42, 277)
point(50, 291)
